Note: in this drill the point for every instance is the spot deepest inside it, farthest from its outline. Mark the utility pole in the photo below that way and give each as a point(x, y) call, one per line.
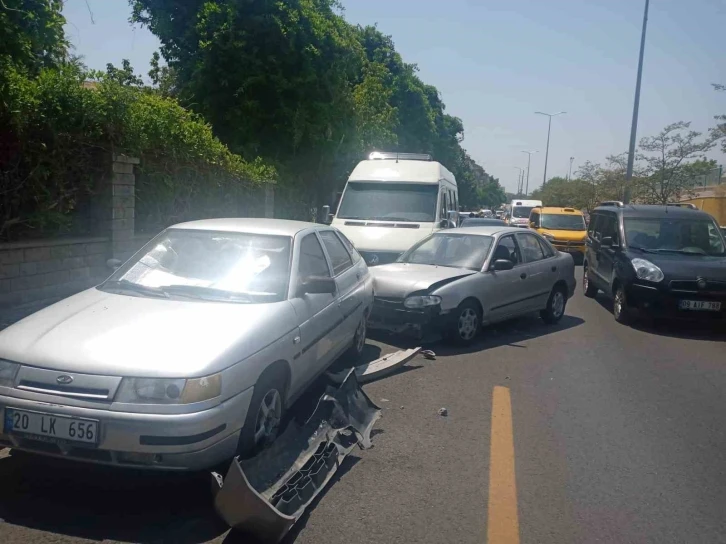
point(549, 128)
point(529, 161)
point(636, 105)
point(569, 176)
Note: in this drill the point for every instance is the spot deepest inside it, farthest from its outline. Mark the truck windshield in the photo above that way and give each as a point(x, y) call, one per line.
point(389, 202)
point(563, 222)
point(690, 236)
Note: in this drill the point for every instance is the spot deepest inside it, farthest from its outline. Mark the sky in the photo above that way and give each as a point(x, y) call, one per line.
point(497, 62)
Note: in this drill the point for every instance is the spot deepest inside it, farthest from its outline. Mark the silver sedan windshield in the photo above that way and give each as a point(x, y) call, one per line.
point(208, 265)
point(450, 249)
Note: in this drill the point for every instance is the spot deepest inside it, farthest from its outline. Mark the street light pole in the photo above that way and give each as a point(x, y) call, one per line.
point(569, 176)
point(529, 160)
point(520, 180)
point(636, 105)
point(547, 152)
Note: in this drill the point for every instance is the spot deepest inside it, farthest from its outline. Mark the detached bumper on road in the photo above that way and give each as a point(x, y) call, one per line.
point(192, 441)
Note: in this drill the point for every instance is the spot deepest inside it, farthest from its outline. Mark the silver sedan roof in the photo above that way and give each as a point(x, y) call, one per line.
point(485, 230)
point(253, 225)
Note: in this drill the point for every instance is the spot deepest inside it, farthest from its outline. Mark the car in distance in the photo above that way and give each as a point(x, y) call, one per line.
point(667, 261)
point(482, 222)
point(565, 229)
point(459, 280)
point(191, 351)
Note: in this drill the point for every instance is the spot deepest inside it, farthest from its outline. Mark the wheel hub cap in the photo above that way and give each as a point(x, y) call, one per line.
point(360, 336)
point(268, 417)
point(468, 323)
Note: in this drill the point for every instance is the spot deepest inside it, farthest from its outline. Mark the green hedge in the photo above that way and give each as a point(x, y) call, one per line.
point(57, 132)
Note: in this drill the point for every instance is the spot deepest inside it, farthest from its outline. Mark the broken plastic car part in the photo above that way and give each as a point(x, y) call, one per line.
point(265, 496)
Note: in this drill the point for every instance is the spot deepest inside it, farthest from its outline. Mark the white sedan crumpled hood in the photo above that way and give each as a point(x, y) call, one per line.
point(96, 332)
point(398, 280)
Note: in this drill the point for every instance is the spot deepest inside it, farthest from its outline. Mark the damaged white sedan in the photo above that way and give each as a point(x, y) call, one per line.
point(190, 352)
point(457, 280)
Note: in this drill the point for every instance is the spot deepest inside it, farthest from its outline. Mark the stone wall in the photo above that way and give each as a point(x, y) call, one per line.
point(47, 269)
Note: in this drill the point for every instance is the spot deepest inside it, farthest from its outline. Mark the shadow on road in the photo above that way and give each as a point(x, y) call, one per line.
point(98, 503)
point(686, 329)
point(509, 333)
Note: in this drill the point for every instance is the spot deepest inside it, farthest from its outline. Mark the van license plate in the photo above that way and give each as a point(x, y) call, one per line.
point(51, 427)
point(699, 305)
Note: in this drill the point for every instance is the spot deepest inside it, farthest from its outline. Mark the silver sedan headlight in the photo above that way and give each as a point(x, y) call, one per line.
point(417, 302)
point(645, 270)
point(168, 390)
point(8, 370)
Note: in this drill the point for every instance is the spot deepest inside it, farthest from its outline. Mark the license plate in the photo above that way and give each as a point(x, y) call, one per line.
point(699, 305)
point(51, 427)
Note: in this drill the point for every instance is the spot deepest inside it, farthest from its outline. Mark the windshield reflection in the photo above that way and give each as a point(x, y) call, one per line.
point(208, 265)
point(453, 250)
point(697, 237)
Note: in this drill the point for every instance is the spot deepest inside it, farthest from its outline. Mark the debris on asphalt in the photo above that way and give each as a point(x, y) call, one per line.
point(379, 368)
point(443, 412)
point(428, 354)
point(384, 400)
point(266, 495)
point(401, 407)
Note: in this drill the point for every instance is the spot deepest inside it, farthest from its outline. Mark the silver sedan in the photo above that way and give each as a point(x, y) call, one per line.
point(191, 351)
point(457, 280)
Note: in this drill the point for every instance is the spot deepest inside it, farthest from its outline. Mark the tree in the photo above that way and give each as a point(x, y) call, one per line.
point(669, 162)
point(719, 131)
point(296, 84)
point(31, 34)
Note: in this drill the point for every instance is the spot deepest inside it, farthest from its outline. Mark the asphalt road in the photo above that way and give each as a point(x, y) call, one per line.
point(601, 433)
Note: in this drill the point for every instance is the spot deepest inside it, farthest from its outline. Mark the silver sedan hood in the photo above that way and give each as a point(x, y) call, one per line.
point(398, 280)
point(118, 335)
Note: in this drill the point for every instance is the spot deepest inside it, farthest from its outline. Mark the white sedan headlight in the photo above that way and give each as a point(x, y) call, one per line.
point(168, 390)
point(417, 302)
point(8, 371)
point(645, 270)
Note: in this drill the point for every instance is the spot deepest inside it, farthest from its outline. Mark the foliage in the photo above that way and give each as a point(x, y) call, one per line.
point(719, 131)
point(295, 83)
point(669, 166)
point(31, 35)
point(60, 132)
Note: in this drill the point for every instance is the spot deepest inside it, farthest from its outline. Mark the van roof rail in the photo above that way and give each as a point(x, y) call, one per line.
point(683, 205)
point(616, 203)
point(380, 155)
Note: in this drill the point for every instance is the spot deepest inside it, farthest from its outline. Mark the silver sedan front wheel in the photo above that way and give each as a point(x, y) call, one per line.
point(269, 415)
point(466, 323)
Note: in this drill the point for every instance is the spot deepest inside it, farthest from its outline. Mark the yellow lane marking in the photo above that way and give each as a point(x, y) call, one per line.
point(503, 523)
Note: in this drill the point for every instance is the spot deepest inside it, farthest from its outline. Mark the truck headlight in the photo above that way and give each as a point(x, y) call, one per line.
point(645, 270)
point(548, 236)
point(8, 372)
point(417, 302)
point(169, 390)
